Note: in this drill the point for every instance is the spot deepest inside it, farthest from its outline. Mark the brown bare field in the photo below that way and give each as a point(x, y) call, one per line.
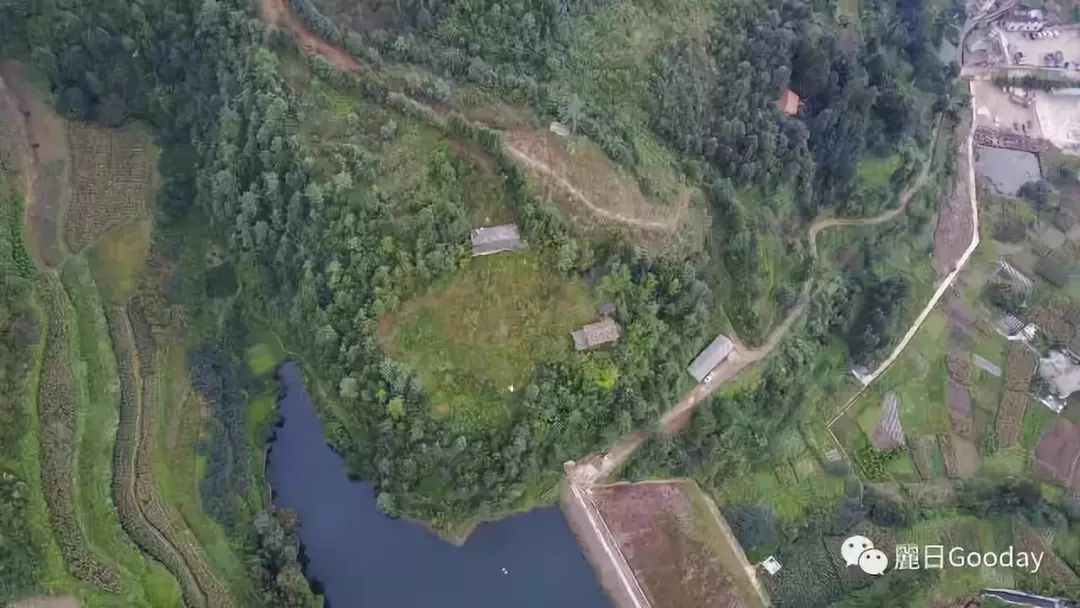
point(960, 411)
point(955, 224)
point(46, 601)
point(960, 455)
point(1019, 367)
point(1053, 568)
point(112, 177)
point(680, 549)
point(45, 163)
point(14, 155)
point(586, 186)
point(1057, 454)
point(1010, 415)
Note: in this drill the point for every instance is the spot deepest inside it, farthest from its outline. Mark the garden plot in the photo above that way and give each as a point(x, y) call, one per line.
point(112, 177)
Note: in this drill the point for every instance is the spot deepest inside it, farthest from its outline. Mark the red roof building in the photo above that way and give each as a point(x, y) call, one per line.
point(789, 102)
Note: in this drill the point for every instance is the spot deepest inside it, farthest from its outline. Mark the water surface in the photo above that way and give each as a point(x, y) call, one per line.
point(364, 559)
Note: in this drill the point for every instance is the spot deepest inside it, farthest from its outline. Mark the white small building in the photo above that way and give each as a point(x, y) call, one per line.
point(771, 565)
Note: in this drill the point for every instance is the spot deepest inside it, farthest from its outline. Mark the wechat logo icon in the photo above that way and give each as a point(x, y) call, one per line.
point(859, 551)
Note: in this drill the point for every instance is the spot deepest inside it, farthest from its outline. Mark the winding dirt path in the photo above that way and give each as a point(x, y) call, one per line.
point(277, 14)
point(551, 174)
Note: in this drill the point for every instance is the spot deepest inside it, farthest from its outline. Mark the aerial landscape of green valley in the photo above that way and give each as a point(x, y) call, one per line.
point(471, 304)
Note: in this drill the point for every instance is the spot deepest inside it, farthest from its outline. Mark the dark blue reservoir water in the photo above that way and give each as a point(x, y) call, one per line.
point(364, 559)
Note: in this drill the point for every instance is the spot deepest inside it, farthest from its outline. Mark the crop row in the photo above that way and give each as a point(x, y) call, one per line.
point(128, 505)
point(1010, 415)
point(1019, 367)
point(56, 411)
point(111, 175)
point(153, 507)
point(135, 340)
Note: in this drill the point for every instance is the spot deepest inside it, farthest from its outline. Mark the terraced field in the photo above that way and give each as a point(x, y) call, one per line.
point(57, 416)
point(97, 387)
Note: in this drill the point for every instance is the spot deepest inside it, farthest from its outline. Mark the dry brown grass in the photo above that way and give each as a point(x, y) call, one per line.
point(679, 548)
point(585, 186)
point(1010, 415)
point(112, 178)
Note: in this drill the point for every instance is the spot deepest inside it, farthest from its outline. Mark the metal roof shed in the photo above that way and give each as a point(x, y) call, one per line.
point(493, 239)
point(709, 358)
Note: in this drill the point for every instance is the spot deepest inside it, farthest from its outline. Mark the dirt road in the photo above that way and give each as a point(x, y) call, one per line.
point(276, 14)
point(944, 285)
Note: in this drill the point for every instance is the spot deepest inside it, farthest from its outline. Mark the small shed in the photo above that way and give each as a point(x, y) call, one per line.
point(714, 353)
point(771, 565)
point(789, 102)
point(595, 334)
point(493, 239)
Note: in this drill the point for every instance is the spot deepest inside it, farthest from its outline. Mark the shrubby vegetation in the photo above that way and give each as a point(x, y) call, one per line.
point(277, 549)
point(20, 555)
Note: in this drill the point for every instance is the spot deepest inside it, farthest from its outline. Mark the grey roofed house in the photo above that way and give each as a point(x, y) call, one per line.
point(595, 334)
point(493, 239)
point(709, 358)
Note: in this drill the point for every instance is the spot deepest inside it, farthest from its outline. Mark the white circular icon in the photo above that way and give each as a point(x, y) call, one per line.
point(853, 548)
point(873, 561)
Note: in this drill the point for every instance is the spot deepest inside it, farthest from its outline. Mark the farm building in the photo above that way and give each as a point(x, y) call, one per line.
point(709, 358)
point(1007, 273)
point(493, 239)
point(789, 102)
point(1023, 20)
point(1061, 373)
point(1013, 328)
point(595, 334)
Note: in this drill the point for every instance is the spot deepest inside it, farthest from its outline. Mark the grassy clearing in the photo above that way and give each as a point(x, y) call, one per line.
point(471, 339)
point(261, 358)
point(874, 172)
point(119, 257)
point(1036, 417)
